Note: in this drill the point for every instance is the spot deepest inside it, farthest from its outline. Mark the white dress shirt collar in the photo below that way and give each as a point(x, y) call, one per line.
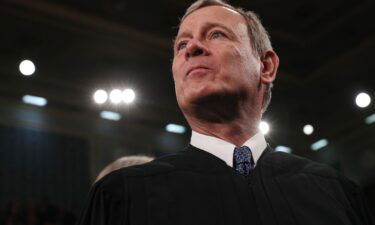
point(224, 150)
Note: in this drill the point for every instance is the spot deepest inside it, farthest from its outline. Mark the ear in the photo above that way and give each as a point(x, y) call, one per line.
point(270, 63)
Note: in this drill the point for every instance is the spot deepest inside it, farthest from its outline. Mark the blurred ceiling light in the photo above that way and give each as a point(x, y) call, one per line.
point(308, 129)
point(319, 144)
point(363, 100)
point(108, 115)
point(264, 127)
point(100, 96)
point(175, 128)
point(370, 119)
point(27, 67)
point(281, 148)
point(128, 95)
point(115, 96)
point(34, 100)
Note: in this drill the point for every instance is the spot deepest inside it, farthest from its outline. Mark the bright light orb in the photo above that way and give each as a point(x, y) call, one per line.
point(115, 96)
point(128, 96)
point(308, 129)
point(264, 127)
point(363, 100)
point(100, 96)
point(27, 67)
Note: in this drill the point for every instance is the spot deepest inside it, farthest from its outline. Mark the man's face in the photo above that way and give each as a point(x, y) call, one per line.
point(213, 57)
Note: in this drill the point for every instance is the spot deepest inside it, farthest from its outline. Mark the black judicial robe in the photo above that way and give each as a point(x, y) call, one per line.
point(193, 187)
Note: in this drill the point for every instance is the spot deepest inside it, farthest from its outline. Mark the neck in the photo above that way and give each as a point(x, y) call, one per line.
point(232, 118)
point(236, 132)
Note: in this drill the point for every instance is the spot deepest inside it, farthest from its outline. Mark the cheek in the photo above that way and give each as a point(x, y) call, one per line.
point(246, 62)
point(176, 67)
point(240, 66)
point(234, 62)
point(232, 57)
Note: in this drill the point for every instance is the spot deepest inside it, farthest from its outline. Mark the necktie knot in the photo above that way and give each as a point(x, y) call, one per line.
point(243, 160)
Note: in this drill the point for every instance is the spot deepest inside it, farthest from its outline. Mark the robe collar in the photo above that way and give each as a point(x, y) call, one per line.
point(224, 150)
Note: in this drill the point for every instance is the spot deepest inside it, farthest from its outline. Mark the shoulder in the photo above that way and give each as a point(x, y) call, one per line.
point(121, 181)
point(285, 163)
point(292, 168)
point(158, 166)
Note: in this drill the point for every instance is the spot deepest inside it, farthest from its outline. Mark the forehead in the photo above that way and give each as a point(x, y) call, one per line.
point(212, 14)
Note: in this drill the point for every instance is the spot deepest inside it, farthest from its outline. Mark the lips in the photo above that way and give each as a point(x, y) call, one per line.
point(196, 69)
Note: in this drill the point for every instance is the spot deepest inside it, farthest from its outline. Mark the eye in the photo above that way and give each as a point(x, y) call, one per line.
point(181, 45)
point(217, 34)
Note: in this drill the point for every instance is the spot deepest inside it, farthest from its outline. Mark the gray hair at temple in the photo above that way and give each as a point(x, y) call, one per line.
point(122, 162)
point(260, 40)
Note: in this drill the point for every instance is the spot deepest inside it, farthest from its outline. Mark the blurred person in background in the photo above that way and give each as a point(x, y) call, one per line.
point(124, 162)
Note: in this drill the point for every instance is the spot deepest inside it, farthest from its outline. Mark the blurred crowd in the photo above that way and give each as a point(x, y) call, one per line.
point(43, 212)
point(35, 213)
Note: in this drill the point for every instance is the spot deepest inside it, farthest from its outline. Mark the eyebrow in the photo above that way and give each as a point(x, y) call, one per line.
point(211, 25)
point(183, 34)
point(206, 26)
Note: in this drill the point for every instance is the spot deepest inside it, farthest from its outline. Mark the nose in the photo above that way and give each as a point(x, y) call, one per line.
point(195, 48)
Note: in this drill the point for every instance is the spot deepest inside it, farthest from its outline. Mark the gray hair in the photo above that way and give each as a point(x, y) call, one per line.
point(260, 40)
point(122, 162)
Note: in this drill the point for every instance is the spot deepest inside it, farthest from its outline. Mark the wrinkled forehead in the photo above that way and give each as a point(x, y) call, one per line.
point(211, 14)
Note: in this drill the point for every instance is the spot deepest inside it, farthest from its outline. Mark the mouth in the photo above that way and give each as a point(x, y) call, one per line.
point(197, 70)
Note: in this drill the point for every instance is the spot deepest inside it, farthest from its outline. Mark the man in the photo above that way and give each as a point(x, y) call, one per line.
point(223, 69)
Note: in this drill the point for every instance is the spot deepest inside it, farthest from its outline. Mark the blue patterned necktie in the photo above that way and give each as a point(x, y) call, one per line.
point(243, 160)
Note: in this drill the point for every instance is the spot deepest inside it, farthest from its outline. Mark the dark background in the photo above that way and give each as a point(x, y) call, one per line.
point(50, 156)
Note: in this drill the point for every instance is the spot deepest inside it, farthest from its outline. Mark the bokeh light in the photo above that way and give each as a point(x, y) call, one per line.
point(264, 127)
point(128, 95)
point(100, 96)
point(308, 129)
point(115, 96)
point(363, 100)
point(27, 67)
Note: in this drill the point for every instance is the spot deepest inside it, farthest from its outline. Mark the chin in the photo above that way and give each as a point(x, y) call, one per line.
point(212, 106)
point(207, 96)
